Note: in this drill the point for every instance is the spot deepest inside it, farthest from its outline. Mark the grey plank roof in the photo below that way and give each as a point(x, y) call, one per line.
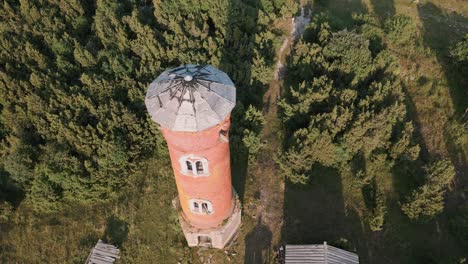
point(318, 253)
point(190, 98)
point(103, 253)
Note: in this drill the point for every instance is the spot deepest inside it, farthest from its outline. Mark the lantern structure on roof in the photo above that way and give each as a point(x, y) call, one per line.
point(192, 105)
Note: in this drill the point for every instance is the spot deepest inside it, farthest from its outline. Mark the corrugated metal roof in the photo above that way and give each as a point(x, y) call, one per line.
point(190, 98)
point(103, 253)
point(318, 253)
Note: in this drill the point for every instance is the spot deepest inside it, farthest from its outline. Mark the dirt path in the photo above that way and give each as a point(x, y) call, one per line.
point(267, 186)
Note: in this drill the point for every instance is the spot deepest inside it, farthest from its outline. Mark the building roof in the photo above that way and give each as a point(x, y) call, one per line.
point(103, 253)
point(190, 98)
point(318, 253)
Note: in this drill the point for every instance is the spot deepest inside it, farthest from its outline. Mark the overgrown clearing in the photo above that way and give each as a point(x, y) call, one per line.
point(139, 218)
point(436, 94)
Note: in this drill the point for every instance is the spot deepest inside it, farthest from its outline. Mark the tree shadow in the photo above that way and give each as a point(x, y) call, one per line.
point(412, 241)
point(258, 244)
point(383, 9)
point(236, 57)
point(316, 213)
point(9, 191)
point(455, 27)
point(441, 30)
point(116, 232)
point(409, 175)
point(237, 60)
point(458, 155)
point(340, 11)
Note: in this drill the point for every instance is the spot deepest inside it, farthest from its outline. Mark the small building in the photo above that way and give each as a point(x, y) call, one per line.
point(103, 253)
point(317, 253)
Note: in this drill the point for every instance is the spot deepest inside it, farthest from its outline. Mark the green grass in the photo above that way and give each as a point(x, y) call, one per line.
point(65, 237)
point(140, 221)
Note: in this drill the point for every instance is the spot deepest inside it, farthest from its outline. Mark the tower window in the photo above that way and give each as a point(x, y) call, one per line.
point(204, 207)
point(194, 166)
point(223, 135)
point(189, 165)
point(200, 169)
point(198, 206)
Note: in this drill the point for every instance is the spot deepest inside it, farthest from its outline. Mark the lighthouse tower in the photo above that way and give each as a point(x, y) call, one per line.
point(192, 104)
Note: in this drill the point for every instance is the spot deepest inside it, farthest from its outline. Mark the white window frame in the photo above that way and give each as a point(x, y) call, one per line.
point(199, 206)
point(192, 160)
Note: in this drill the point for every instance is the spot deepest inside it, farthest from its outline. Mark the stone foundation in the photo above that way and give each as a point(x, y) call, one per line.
point(217, 237)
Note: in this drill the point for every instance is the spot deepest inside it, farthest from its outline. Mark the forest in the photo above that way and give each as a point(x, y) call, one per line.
point(371, 120)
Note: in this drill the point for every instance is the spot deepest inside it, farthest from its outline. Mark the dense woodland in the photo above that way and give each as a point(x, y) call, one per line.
point(74, 131)
point(350, 106)
point(346, 110)
point(74, 75)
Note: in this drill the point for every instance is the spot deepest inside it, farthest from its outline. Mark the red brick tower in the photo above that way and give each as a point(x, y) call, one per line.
point(192, 103)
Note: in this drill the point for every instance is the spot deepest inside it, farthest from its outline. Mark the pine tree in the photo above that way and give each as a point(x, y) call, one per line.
point(428, 200)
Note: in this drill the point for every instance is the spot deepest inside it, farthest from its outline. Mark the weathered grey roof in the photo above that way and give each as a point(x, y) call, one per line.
point(103, 253)
point(318, 253)
point(190, 98)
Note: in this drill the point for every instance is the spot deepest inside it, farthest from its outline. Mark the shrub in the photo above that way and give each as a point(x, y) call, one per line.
point(460, 51)
point(377, 218)
point(401, 29)
point(252, 142)
point(428, 200)
point(6, 210)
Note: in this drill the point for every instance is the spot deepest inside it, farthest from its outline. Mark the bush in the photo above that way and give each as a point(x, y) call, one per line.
point(401, 29)
point(459, 51)
point(252, 142)
point(6, 211)
point(254, 119)
point(377, 218)
point(428, 200)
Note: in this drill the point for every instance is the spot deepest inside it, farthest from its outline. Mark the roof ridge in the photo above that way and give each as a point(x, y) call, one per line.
point(325, 249)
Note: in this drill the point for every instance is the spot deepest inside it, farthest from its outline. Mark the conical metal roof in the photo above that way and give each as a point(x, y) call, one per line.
point(190, 98)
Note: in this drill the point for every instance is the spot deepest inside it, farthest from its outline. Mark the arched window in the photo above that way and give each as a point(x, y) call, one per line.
point(199, 206)
point(194, 166)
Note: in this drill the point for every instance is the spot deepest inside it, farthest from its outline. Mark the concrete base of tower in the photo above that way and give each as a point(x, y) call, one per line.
point(218, 237)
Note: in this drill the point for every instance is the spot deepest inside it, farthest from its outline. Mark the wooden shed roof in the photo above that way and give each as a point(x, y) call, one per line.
point(103, 253)
point(318, 253)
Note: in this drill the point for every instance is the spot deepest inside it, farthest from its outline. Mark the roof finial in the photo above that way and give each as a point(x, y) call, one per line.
point(188, 78)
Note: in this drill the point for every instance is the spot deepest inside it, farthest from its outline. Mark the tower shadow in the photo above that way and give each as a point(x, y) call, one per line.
point(257, 244)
